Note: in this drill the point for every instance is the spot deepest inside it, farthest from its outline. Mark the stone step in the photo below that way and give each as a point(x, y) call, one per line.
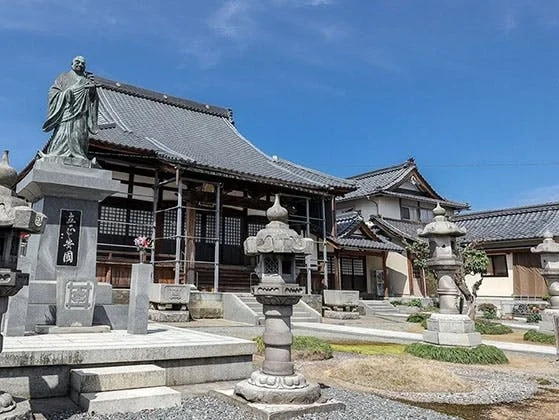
point(129, 400)
point(112, 378)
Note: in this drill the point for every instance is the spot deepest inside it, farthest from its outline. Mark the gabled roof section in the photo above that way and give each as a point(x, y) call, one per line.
point(353, 233)
point(517, 223)
point(401, 229)
point(197, 136)
point(386, 181)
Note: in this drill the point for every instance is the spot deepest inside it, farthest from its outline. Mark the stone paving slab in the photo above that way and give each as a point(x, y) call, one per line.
point(160, 343)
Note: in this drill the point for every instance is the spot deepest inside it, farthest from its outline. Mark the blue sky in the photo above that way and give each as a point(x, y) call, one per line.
point(468, 88)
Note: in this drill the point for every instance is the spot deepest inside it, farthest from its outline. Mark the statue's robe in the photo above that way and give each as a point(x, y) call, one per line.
point(73, 118)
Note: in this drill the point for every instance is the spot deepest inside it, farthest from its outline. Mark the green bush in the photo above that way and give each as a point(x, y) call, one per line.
point(416, 302)
point(487, 327)
point(303, 347)
point(538, 337)
point(396, 302)
point(417, 317)
point(489, 310)
point(533, 318)
point(482, 354)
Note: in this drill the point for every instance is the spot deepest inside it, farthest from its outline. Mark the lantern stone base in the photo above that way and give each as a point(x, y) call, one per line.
point(451, 330)
point(275, 389)
point(546, 325)
point(278, 411)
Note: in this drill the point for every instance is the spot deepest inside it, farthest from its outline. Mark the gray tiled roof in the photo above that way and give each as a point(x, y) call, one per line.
point(385, 181)
point(405, 229)
point(347, 224)
point(363, 243)
point(197, 135)
point(511, 224)
point(380, 179)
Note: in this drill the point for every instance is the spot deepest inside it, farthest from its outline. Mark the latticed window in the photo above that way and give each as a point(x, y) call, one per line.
point(271, 264)
point(140, 223)
point(253, 228)
point(210, 228)
point(231, 231)
point(112, 221)
point(170, 223)
point(198, 228)
point(358, 267)
point(347, 266)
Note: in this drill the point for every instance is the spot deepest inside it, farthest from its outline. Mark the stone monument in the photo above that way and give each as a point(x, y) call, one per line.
point(549, 254)
point(67, 186)
point(448, 327)
point(17, 221)
point(276, 247)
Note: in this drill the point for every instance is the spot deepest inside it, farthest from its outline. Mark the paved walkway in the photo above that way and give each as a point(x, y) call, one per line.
point(364, 328)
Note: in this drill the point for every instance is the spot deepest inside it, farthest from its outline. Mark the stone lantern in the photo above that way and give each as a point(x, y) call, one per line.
point(549, 254)
point(17, 221)
point(448, 327)
point(276, 247)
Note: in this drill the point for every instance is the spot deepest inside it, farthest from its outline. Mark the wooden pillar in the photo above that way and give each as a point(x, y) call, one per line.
point(190, 244)
point(337, 271)
point(384, 276)
point(217, 234)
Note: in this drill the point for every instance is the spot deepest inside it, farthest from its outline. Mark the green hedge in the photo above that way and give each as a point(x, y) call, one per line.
point(538, 337)
point(487, 327)
point(482, 354)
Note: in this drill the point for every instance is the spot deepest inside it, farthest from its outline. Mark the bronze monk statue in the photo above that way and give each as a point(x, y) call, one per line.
point(72, 113)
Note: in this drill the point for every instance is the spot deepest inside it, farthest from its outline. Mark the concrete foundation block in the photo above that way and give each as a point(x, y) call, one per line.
point(104, 294)
point(341, 315)
point(450, 323)
point(168, 316)
point(452, 339)
point(115, 316)
point(129, 400)
point(175, 294)
point(341, 298)
point(113, 378)
point(546, 325)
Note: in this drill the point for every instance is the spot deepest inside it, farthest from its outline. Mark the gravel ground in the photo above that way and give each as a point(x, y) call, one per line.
point(206, 407)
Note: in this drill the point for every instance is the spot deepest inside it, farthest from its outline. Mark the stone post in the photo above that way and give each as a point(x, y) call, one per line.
point(549, 254)
point(276, 246)
point(138, 307)
point(448, 327)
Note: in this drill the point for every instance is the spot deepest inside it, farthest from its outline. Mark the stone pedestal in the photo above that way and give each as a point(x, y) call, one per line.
point(451, 330)
point(14, 319)
point(546, 325)
point(169, 296)
point(138, 307)
point(66, 253)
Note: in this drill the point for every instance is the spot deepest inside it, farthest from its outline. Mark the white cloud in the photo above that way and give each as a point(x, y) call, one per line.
point(509, 22)
point(232, 20)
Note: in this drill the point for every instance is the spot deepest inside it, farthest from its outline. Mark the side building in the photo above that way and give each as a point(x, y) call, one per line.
point(394, 202)
point(513, 276)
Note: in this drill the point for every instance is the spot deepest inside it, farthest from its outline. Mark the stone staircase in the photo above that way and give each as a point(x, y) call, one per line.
point(301, 311)
point(130, 388)
point(376, 307)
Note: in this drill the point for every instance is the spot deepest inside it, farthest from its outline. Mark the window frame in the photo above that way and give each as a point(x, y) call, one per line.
point(492, 265)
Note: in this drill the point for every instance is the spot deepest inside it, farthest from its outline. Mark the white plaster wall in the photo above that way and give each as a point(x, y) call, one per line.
point(372, 262)
point(495, 286)
point(397, 274)
point(385, 206)
point(389, 207)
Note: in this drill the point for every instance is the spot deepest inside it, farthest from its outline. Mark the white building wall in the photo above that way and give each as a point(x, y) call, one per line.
point(495, 286)
point(373, 263)
point(397, 274)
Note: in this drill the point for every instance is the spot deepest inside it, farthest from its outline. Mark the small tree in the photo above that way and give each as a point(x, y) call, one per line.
point(419, 253)
point(475, 261)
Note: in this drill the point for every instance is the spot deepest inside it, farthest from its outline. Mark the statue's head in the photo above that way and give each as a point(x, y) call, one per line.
point(78, 64)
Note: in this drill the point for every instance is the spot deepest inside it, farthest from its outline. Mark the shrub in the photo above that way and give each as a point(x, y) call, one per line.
point(482, 354)
point(534, 315)
point(396, 302)
point(416, 302)
point(418, 317)
point(304, 347)
point(489, 310)
point(538, 337)
point(487, 327)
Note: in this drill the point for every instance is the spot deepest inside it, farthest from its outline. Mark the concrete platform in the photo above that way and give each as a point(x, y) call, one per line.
point(39, 366)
